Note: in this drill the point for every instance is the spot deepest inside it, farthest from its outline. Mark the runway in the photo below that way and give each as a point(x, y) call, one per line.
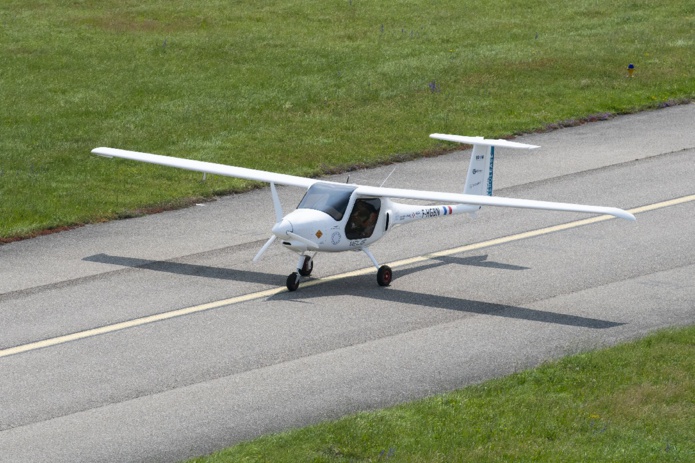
point(156, 338)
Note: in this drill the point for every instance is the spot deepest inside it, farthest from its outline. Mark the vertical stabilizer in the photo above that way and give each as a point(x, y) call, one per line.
point(481, 166)
point(480, 171)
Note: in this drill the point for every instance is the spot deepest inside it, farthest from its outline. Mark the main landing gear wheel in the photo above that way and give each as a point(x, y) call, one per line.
point(293, 281)
point(384, 275)
point(307, 267)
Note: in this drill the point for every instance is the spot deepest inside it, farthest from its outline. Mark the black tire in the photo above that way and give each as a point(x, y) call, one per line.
point(293, 281)
point(384, 275)
point(308, 266)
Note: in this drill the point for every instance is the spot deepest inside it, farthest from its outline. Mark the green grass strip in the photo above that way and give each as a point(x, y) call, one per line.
point(304, 87)
point(630, 403)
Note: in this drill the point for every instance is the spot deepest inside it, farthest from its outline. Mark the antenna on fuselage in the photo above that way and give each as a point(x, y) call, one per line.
point(387, 177)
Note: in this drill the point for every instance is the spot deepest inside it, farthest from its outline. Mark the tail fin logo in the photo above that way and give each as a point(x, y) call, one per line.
point(489, 176)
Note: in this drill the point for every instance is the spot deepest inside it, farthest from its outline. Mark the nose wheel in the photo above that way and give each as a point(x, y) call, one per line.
point(304, 268)
point(307, 266)
point(293, 281)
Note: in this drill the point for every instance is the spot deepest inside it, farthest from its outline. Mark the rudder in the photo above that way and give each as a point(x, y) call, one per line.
point(480, 171)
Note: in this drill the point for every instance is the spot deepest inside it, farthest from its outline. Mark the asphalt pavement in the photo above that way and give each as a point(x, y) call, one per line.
point(156, 339)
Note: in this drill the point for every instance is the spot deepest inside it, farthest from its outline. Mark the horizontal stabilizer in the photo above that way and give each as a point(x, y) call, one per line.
point(482, 141)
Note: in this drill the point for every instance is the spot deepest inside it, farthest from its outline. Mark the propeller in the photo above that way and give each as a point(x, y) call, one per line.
point(278, 219)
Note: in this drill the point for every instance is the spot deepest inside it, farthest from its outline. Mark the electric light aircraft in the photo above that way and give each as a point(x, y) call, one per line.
point(336, 217)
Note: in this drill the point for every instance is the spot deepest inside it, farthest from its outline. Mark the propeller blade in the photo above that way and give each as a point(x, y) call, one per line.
point(264, 248)
point(276, 203)
point(278, 219)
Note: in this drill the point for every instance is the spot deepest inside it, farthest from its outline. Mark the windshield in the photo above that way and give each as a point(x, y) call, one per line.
point(330, 198)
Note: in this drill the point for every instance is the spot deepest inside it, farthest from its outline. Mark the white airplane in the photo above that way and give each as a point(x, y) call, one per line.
point(336, 217)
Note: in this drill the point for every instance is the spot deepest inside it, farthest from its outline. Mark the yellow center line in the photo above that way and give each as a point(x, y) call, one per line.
point(271, 292)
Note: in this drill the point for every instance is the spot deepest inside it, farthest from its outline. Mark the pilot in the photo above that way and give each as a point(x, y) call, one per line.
point(362, 220)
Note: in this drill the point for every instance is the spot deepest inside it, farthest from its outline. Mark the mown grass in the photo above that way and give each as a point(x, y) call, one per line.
point(630, 403)
point(299, 86)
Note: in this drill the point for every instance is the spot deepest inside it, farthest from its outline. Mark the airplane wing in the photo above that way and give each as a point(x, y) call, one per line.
point(207, 167)
point(292, 180)
point(479, 200)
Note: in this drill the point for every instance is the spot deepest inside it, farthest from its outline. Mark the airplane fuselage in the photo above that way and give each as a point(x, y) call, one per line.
point(334, 218)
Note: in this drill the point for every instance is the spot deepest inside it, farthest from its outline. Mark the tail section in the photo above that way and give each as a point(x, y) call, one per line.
point(481, 166)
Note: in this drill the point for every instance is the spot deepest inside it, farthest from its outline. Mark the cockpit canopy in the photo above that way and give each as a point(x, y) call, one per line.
point(330, 198)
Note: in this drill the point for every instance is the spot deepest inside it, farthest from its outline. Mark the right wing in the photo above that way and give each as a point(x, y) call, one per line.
point(478, 200)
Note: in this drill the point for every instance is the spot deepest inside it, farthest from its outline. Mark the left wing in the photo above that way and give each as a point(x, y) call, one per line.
point(207, 167)
point(478, 200)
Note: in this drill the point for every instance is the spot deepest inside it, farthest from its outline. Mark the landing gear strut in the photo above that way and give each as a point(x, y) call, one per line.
point(384, 275)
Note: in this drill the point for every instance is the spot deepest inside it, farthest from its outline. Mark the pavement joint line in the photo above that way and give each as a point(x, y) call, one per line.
point(365, 271)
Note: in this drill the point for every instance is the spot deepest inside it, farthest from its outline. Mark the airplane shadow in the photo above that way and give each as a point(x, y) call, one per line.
point(203, 271)
point(263, 278)
point(368, 290)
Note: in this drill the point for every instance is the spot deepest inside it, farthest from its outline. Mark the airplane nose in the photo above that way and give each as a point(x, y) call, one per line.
point(281, 228)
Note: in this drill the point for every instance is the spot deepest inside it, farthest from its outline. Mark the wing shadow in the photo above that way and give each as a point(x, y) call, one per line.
point(478, 261)
point(487, 308)
point(368, 290)
point(177, 268)
point(472, 261)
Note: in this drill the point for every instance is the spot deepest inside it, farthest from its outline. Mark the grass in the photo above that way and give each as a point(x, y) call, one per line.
point(302, 87)
point(630, 403)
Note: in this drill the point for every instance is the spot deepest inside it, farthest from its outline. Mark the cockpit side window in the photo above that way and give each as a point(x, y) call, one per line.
point(329, 198)
point(363, 218)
